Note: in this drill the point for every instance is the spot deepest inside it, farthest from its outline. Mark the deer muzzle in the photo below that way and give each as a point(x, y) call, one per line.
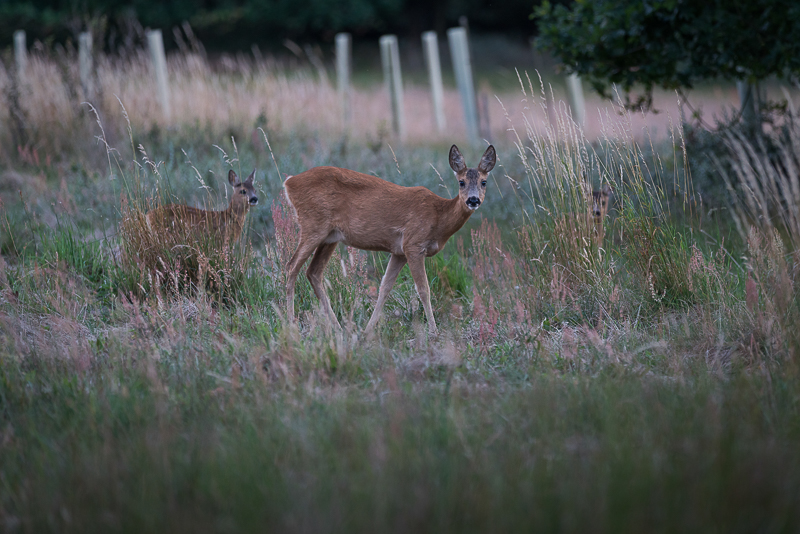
point(473, 203)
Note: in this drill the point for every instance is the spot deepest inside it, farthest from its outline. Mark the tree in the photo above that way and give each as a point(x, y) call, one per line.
point(672, 43)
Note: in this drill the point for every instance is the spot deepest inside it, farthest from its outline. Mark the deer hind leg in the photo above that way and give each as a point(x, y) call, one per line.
point(314, 274)
point(304, 250)
point(396, 263)
point(417, 265)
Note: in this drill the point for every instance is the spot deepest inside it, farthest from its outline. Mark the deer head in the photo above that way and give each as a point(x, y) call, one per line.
point(244, 194)
point(472, 182)
point(600, 202)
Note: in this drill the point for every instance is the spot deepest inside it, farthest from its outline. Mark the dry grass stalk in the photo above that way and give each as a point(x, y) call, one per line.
point(766, 198)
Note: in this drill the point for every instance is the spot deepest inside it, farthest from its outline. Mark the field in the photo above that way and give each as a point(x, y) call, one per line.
point(640, 380)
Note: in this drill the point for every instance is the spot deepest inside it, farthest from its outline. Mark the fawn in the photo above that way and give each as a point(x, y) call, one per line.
point(600, 201)
point(226, 224)
point(366, 212)
point(589, 225)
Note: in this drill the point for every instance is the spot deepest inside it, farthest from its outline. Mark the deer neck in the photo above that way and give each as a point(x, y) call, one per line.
point(233, 217)
point(455, 214)
point(237, 210)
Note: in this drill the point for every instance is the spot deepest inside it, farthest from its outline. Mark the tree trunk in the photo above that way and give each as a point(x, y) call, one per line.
point(749, 103)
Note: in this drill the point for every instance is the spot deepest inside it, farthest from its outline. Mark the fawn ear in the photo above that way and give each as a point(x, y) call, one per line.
point(488, 160)
point(606, 189)
point(250, 178)
point(232, 177)
point(457, 160)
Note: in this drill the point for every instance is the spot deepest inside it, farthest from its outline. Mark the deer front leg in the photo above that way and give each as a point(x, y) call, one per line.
point(396, 263)
point(304, 250)
point(314, 274)
point(416, 263)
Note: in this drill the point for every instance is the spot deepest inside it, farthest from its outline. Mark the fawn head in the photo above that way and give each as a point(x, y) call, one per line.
point(244, 194)
point(472, 182)
point(600, 202)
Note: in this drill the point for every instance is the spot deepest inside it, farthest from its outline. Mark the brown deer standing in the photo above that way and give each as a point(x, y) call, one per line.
point(366, 212)
point(226, 224)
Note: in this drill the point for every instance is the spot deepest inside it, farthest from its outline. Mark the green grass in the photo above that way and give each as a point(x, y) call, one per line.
point(175, 448)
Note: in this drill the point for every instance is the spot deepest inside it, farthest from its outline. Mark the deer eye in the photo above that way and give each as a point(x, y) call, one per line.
point(243, 192)
point(461, 183)
point(483, 183)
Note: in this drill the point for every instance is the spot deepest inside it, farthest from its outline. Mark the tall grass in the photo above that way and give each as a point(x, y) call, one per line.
point(644, 248)
point(765, 189)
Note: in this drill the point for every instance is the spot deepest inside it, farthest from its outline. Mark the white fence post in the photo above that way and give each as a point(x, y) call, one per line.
point(459, 51)
point(484, 123)
point(575, 90)
point(156, 44)
point(343, 50)
point(390, 57)
point(430, 45)
point(20, 54)
point(85, 65)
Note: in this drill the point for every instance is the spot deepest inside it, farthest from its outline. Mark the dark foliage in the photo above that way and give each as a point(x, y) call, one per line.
point(672, 43)
point(232, 24)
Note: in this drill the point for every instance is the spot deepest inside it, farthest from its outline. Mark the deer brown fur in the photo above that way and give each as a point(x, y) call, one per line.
point(335, 205)
point(600, 200)
point(588, 224)
point(226, 224)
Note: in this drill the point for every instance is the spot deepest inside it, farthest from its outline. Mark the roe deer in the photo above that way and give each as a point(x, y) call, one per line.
point(226, 224)
point(586, 226)
point(600, 210)
point(366, 212)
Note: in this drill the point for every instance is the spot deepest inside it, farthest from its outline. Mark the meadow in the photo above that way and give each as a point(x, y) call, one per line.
point(642, 382)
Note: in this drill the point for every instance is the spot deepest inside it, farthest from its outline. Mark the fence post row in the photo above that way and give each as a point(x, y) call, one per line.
point(459, 51)
point(343, 53)
point(20, 54)
point(156, 43)
point(390, 58)
point(85, 65)
point(430, 45)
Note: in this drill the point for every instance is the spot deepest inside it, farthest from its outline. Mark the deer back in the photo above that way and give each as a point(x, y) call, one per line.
point(364, 211)
point(196, 223)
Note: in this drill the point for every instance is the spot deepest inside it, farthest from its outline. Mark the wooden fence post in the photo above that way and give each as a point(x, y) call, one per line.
point(459, 51)
point(748, 105)
point(85, 65)
point(575, 90)
point(156, 44)
point(343, 51)
point(430, 45)
point(20, 54)
point(390, 57)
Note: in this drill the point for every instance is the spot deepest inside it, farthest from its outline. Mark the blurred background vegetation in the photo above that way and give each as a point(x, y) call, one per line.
point(235, 24)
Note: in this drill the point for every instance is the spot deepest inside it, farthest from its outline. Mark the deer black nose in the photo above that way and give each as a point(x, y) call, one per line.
point(473, 202)
point(253, 200)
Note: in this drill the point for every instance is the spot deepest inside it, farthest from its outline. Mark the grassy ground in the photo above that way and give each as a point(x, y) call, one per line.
point(647, 381)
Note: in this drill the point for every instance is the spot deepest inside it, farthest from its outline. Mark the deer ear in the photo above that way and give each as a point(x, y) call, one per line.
point(488, 160)
point(606, 189)
point(232, 177)
point(457, 160)
point(250, 178)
